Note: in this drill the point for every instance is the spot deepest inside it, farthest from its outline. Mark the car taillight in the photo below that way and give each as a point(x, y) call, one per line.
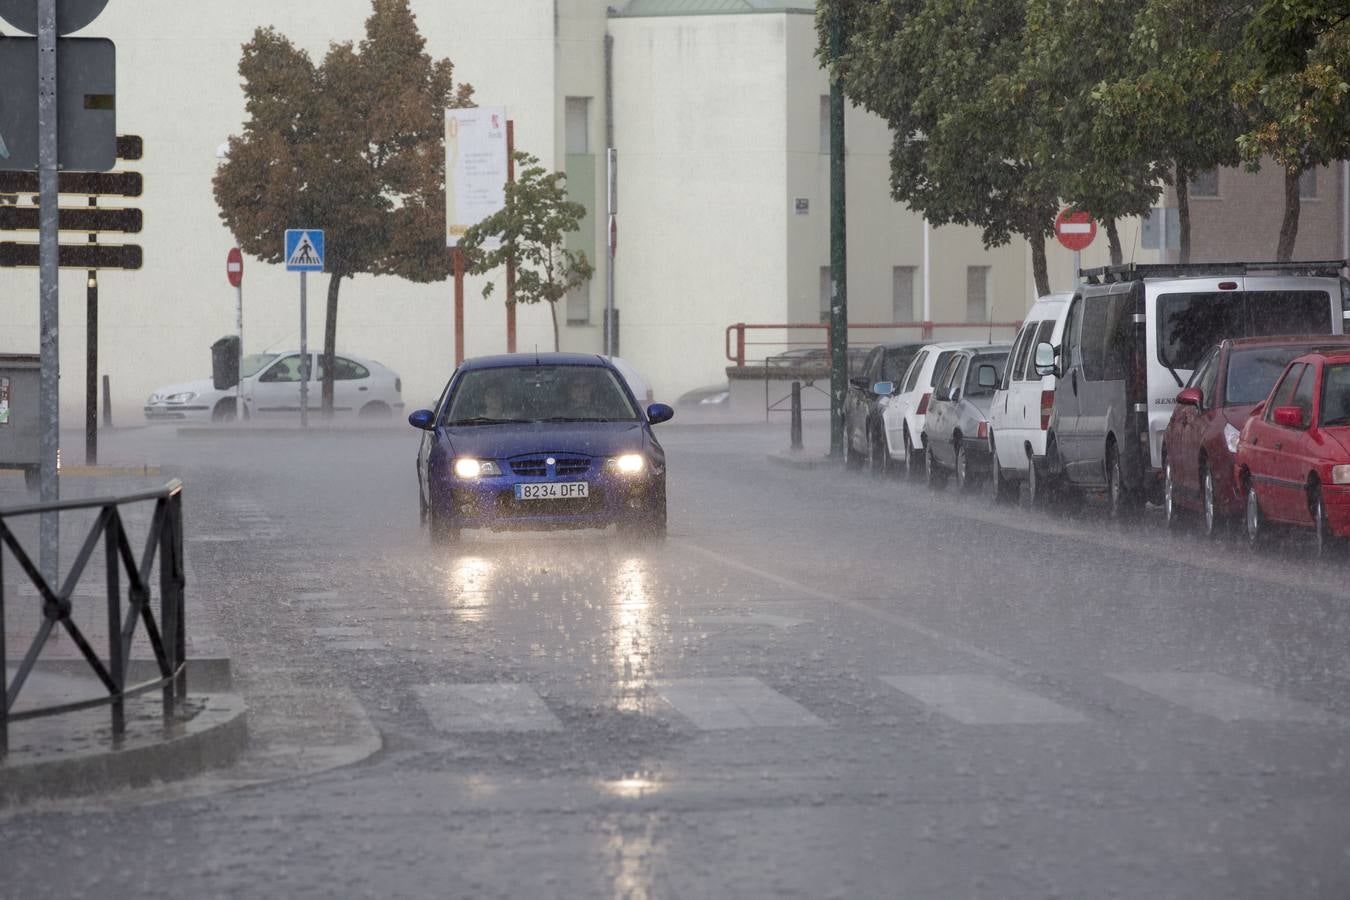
point(1047, 404)
point(923, 405)
point(983, 431)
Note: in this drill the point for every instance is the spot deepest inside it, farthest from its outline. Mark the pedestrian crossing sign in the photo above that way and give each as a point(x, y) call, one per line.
point(304, 250)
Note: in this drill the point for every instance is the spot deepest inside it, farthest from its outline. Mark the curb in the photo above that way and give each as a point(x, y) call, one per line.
point(225, 431)
point(802, 459)
point(208, 674)
point(214, 737)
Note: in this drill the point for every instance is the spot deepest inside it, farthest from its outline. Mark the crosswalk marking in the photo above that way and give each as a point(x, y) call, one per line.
point(983, 700)
point(1223, 698)
point(716, 704)
point(485, 707)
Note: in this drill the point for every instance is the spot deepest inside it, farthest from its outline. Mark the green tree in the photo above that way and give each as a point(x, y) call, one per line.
point(1297, 95)
point(1171, 104)
point(353, 146)
point(530, 229)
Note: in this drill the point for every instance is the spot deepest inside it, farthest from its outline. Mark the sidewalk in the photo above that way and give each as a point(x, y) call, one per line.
point(74, 753)
point(815, 451)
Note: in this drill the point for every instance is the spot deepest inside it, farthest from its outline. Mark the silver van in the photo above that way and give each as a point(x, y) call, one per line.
point(1133, 335)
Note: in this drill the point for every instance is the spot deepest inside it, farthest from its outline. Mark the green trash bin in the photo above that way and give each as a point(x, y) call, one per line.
point(20, 417)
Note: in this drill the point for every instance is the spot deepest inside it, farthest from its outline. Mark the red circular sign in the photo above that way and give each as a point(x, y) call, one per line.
point(234, 267)
point(1075, 228)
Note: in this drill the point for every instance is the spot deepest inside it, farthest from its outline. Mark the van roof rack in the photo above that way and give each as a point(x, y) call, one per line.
point(1139, 271)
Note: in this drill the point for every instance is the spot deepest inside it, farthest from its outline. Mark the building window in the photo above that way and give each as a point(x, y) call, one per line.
point(977, 293)
point(825, 123)
point(1307, 184)
point(1205, 184)
point(578, 126)
point(826, 289)
point(902, 294)
point(579, 305)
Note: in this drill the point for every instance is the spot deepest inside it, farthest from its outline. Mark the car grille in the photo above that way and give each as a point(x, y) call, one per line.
point(537, 467)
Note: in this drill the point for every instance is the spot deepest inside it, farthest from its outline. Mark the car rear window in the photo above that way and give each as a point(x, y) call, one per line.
point(943, 359)
point(1252, 373)
point(1336, 395)
point(895, 361)
point(1191, 323)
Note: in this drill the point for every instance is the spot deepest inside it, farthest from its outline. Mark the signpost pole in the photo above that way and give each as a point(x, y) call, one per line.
point(511, 260)
point(304, 357)
point(1077, 267)
point(458, 257)
point(91, 361)
point(838, 251)
point(611, 238)
point(49, 288)
point(239, 413)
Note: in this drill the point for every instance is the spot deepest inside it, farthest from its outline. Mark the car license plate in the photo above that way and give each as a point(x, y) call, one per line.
point(553, 490)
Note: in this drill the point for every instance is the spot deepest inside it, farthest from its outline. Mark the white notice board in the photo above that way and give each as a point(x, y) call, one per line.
point(475, 167)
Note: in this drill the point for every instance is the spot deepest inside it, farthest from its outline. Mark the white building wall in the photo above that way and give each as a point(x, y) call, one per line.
point(700, 126)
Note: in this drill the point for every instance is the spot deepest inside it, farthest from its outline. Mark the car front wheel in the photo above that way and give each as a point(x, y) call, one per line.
point(1209, 519)
point(1255, 521)
point(1323, 539)
point(1171, 513)
point(443, 531)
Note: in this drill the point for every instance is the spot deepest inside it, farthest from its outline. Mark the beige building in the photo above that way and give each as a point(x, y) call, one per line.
point(715, 108)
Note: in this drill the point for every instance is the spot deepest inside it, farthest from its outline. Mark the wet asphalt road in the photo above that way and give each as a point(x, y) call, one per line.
point(821, 685)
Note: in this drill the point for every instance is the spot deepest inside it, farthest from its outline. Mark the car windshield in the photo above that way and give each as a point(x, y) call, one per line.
point(539, 394)
point(1336, 395)
point(1252, 373)
point(255, 363)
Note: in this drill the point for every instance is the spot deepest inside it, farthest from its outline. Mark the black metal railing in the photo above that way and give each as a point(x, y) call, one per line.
point(164, 543)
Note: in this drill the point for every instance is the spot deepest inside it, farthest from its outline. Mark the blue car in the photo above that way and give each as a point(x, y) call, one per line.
point(549, 440)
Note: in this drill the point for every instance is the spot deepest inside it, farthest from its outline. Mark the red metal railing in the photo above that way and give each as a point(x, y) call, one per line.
point(736, 348)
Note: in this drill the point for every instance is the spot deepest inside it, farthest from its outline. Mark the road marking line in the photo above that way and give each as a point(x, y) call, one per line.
point(1224, 698)
point(718, 704)
point(485, 707)
point(983, 700)
point(946, 640)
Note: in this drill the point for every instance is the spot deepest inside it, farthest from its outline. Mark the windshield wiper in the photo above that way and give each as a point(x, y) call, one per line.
point(572, 419)
point(486, 420)
point(1180, 383)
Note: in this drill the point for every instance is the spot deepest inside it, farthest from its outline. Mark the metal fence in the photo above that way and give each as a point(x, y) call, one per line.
point(166, 635)
point(808, 343)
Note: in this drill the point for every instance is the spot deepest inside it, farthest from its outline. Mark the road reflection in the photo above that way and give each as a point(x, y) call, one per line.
point(471, 579)
point(631, 632)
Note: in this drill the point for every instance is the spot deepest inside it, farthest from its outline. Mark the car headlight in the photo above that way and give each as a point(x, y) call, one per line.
point(1340, 474)
point(1230, 437)
point(466, 467)
point(154, 398)
point(184, 397)
point(629, 463)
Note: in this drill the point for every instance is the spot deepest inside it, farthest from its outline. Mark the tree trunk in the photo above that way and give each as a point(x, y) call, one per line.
point(1113, 242)
point(1183, 214)
point(553, 311)
point(1292, 206)
point(1039, 270)
point(330, 344)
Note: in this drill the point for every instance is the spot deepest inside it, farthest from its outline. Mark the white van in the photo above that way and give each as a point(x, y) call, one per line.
point(1019, 416)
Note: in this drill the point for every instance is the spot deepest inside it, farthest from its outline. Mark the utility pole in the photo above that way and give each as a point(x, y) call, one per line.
point(838, 248)
point(49, 290)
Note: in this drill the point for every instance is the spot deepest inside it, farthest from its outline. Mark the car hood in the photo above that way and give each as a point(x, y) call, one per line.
point(200, 387)
point(1237, 416)
point(1341, 435)
point(506, 441)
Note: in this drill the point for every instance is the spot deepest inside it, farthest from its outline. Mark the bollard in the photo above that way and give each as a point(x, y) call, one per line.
point(107, 403)
point(796, 415)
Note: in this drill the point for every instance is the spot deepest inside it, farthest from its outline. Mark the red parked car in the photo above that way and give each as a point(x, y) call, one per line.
point(1201, 438)
point(1293, 458)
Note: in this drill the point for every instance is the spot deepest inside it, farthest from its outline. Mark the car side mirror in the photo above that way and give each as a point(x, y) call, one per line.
point(1291, 416)
point(424, 419)
point(883, 388)
point(659, 412)
point(987, 376)
point(1044, 359)
point(1191, 396)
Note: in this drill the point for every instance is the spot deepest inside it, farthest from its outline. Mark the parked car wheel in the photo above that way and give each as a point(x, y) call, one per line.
point(965, 479)
point(1324, 540)
point(375, 411)
point(1210, 523)
point(936, 475)
point(224, 410)
point(1171, 512)
point(913, 461)
point(852, 461)
point(1001, 490)
point(1255, 520)
point(877, 458)
point(1035, 484)
point(1121, 500)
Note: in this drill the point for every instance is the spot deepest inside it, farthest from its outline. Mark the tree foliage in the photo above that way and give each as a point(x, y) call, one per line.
point(353, 146)
point(531, 228)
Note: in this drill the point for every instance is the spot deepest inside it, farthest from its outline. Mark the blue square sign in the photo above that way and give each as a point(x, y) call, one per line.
point(304, 250)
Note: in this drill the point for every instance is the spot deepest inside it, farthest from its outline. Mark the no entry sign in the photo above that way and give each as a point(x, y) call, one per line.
point(234, 267)
point(1075, 229)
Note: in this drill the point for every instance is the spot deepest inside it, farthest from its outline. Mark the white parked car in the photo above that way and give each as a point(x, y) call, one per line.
point(1019, 417)
point(362, 389)
point(903, 412)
